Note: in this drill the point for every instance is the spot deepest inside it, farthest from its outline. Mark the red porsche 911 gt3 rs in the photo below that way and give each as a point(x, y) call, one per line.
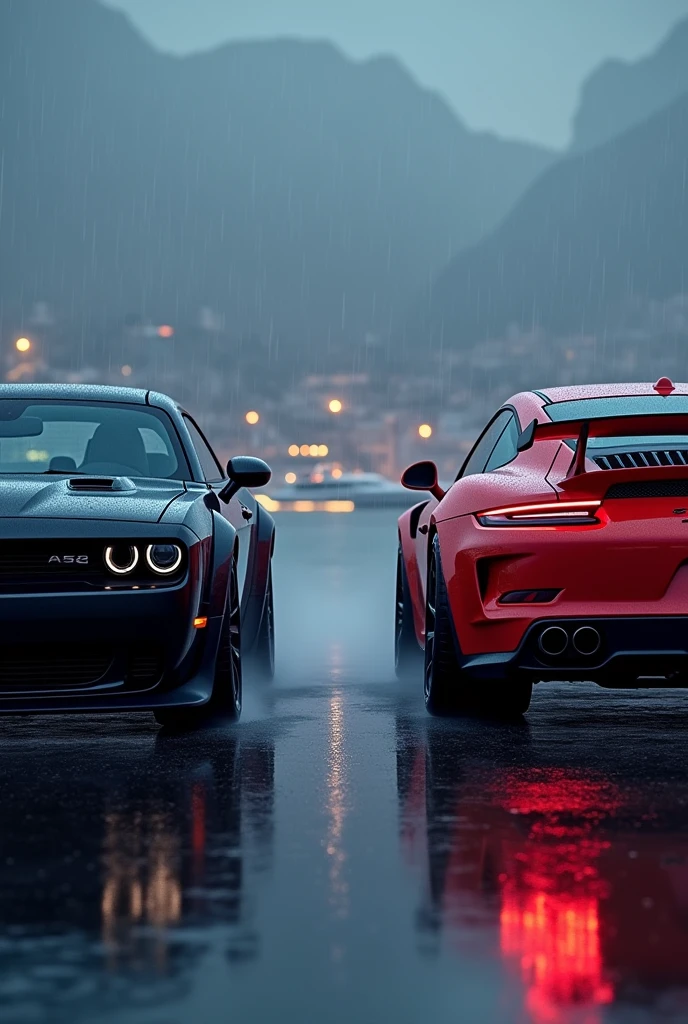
point(559, 552)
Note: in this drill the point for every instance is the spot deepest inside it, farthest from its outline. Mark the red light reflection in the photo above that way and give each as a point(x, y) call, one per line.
point(551, 889)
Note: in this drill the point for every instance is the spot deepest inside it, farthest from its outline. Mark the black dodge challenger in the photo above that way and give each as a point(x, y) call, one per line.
point(134, 570)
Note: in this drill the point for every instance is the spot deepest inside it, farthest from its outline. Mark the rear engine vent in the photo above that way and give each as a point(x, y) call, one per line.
point(643, 460)
point(649, 489)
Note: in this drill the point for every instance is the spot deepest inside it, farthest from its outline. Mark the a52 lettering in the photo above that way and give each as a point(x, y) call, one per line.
point(68, 560)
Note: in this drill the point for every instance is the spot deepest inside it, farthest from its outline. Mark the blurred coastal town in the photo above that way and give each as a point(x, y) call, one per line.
point(363, 409)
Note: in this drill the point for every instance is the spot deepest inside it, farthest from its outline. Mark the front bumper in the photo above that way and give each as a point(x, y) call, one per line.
point(634, 651)
point(118, 650)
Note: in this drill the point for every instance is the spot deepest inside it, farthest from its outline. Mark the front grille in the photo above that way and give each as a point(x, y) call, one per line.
point(48, 565)
point(37, 668)
point(649, 489)
point(643, 460)
point(30, 667)
point(145, 668)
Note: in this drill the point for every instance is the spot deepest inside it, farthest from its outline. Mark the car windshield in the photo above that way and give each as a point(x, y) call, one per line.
point(89, 437)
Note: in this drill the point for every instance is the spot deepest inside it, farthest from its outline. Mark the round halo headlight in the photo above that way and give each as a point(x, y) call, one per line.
point(164, 558)
point(121, 559)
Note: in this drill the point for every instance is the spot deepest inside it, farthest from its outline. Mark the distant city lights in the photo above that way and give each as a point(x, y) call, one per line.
point(313, 451)
point(336, 473)
point(22, 344)
point(290, 478)
point(335, 405)
point(252, 417)
point(425, 430)
point(126, 370)
point(165, 331)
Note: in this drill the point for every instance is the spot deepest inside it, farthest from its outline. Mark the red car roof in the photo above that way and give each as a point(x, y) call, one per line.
point(579, 391)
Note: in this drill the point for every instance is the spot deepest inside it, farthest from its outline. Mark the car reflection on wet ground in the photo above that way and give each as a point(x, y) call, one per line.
point(339, 855)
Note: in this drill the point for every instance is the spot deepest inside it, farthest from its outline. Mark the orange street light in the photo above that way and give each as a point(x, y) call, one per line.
point(252, 417)
point(22, 344)
point(293, 450)
point(126, 370)
point(425, 430)
point(165, 331)
point(335, 405)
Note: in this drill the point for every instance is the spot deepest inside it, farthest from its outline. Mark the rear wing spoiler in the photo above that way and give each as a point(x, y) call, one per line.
point(613, 426)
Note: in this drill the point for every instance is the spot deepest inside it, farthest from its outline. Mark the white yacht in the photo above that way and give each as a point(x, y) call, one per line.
point(325, 484)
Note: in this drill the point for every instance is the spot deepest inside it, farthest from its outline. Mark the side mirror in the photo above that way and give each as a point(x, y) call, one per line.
point(244, 471)
point(422, 476)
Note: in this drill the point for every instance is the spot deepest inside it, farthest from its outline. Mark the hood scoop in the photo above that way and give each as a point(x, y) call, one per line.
point(100, 484)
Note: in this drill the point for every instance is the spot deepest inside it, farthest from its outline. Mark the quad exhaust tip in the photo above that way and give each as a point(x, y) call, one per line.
point(554, 640)
point(586, 640)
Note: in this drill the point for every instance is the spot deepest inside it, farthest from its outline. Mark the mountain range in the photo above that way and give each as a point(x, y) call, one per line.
point(302, 195)
point(620, 94)
point(600, 232)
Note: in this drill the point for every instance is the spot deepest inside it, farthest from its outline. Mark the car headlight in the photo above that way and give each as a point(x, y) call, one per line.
point(121, 559)
point(164, 558)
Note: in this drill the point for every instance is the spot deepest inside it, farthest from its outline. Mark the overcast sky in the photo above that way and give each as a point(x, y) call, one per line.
point(513, 66)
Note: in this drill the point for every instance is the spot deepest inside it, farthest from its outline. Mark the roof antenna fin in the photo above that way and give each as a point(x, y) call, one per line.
point(663, 387)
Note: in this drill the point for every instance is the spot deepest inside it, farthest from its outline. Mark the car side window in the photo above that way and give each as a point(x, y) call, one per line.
point(477, 460)
point(505, 450)
point(212, 472)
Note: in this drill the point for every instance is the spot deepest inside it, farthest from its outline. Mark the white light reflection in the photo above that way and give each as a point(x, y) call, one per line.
point(337, 808)
point(142, 883)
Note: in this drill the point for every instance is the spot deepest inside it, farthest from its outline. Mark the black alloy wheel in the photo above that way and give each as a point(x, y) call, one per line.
point(447, 691)
point(226, 698)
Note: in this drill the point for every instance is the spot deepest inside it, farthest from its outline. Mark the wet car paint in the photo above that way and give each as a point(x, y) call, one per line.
point(339, 855)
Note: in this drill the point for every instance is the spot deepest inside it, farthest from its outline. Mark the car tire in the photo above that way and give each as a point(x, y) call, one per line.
point(447, 691)
point(263, 654)
point(408, 656)
point(226, 698)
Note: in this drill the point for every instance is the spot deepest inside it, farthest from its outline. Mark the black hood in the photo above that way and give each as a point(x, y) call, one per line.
point(41, 497)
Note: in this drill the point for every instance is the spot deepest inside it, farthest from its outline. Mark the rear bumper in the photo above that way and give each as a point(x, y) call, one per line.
point(634, 651)
point(626, 568)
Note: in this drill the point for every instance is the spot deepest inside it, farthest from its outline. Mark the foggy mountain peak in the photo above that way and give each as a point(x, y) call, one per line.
point(297, 192)
point(620, 94)
point(596, 233)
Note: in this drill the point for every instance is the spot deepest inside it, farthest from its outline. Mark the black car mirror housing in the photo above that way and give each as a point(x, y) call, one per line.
point(422, 476)
point(244, 471)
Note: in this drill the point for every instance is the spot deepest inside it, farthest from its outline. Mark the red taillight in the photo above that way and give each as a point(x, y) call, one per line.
point(553, 513)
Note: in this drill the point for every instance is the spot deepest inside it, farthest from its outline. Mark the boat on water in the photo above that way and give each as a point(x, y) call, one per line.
point(331, 489)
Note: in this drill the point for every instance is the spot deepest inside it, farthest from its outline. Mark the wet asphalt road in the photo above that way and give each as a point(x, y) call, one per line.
point(338, 856)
